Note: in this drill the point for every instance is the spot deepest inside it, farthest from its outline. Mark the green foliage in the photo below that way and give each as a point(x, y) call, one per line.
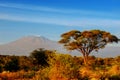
point(39, 57)
point(12, 65)
point(24, 61)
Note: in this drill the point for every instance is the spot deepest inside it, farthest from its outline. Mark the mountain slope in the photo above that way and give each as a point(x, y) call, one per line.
point(26, 45)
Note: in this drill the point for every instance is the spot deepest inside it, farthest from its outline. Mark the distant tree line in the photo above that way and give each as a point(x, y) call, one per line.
point(53, 65)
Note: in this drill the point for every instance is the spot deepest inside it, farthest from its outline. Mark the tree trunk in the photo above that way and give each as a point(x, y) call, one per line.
point(85, 59)
point(85, 56)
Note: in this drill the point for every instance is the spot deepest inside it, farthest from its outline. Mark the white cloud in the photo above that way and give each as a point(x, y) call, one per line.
point(118, 34)
point(60, 21)
point(69, 22)
point(58, 10)
point(29, 7)
point(84, 22)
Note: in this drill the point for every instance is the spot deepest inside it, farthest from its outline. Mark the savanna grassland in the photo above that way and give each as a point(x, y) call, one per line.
point(51, 65)
point(44, 64)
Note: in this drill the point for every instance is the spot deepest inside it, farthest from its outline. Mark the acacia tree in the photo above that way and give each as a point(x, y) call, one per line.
point(87, 41)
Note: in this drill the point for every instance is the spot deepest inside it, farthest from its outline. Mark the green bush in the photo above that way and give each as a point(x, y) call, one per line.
point(12, 65)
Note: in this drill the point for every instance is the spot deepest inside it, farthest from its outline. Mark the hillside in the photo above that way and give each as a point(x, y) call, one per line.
point(25, 45)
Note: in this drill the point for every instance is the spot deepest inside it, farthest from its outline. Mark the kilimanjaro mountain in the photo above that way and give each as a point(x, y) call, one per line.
point(25, 45)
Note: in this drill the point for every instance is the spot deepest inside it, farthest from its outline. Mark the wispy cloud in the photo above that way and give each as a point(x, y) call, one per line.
point(58, 10)
point(34, 19)
point(83, 22)
point(71, 18)
point(80, 21)
point(29, 7)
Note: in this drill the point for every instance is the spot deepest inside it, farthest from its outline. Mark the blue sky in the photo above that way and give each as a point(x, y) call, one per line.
point(51, 18)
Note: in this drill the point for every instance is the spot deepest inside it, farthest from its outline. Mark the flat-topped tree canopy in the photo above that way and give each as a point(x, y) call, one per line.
point(87, 41)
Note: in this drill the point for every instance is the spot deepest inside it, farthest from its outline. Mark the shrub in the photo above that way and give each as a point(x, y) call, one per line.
point(39, 57)
point(12, 65)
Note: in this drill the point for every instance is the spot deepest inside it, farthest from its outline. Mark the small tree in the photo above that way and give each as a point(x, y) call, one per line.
point(39, 57)
point(87, 41)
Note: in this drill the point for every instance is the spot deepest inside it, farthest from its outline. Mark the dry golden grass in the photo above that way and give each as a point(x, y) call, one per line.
point(20, 75)
point(114, 70)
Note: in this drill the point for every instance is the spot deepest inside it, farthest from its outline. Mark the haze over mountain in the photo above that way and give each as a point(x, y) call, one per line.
point(25, 45)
